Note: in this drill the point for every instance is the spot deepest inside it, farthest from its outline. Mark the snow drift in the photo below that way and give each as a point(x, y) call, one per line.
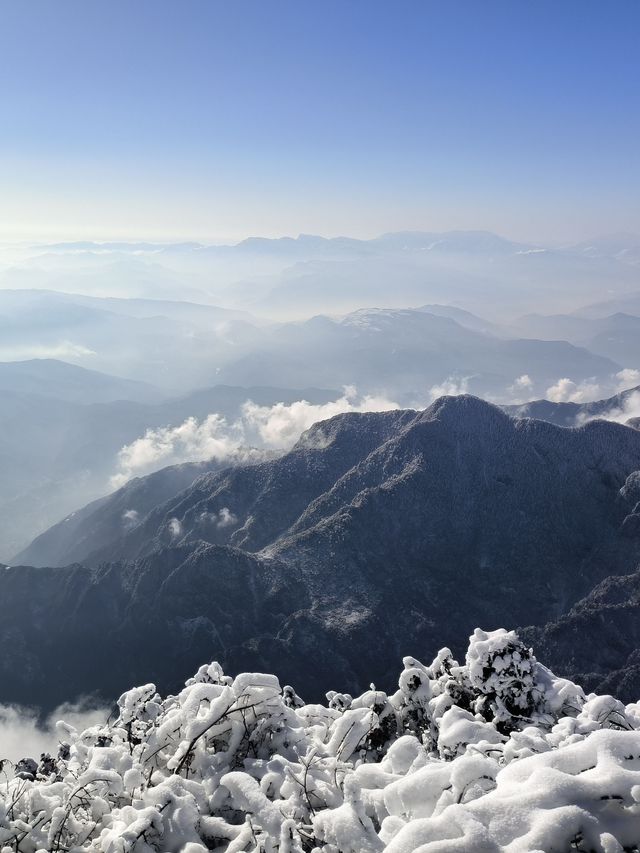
point(495, 755)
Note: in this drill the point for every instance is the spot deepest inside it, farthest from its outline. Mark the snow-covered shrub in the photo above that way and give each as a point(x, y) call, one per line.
point(495, 755)
point(509, 685)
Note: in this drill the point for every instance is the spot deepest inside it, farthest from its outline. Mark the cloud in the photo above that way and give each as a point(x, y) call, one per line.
point(222, 519)
point(226, 518)
point(628, 378)
point(281, 425)
point(450, 387)
point(64, 350)
point(191, 441)
point(630, 408)
point(258, 428)
point(520, 391)
point(523, 383)
point(567, 391)
point(22, 735)
point(175, 527)
point(130, 517)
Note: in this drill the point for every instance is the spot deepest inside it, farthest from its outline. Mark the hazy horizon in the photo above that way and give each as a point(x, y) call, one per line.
point(134, 239)
point(141, 121)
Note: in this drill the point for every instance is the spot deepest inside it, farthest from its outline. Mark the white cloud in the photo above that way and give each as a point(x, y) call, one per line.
point(175, 527)
point(64, 350)
point(22, 736)
point(226, 518)
point(523, 383)
point(275, 427)
point(620, 414)
point(130, 517)
point(520, 391)
point(281, 425)
point(567, 391)
point(628, 378)
point(451, 387)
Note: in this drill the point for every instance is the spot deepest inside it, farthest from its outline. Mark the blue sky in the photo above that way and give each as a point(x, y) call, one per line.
point(174, 119)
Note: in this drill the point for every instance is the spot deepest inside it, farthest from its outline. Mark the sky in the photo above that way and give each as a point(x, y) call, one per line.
point(211, 120)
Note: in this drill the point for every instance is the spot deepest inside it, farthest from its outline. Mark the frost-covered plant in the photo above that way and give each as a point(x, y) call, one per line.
point(505, 675)
point(496, 755)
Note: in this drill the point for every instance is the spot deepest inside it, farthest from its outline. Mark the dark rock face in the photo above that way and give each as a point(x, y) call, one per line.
point(379, 535)
point(598, 641)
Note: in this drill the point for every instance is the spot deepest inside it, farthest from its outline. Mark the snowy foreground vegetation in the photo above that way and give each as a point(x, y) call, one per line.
point(495, 755)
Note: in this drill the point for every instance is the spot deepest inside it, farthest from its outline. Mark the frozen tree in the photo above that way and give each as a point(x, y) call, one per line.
point(496, 754)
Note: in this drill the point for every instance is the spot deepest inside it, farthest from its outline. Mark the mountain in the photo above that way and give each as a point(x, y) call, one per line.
point(57, 456)
point(624, 303)
point(51, 378)
point(296, 277)
point(616, 336)
point(598, 640)
point(622, 247)
point(102, 522)
point(175, 345)
point(575, 414)
point(465, 319)
point(405, 525)
point(404, 353)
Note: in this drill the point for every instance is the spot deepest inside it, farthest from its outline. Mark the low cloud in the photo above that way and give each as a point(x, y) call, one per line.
point(629, 408)
point(130, 517)
point(453, 386)
point(226, 518)
point(175, 527)
point(280, 426)
point(22, 735)
point(222, 519)
point(258, 428)
point(628, 378)
point(64, 350)
point(567, 391)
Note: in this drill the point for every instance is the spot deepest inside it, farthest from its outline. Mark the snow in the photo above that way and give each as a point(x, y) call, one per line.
point(496, 756)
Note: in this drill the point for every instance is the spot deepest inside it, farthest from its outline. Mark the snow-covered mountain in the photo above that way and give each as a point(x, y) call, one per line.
point(407, 525)
point(620, 407)
point(406, 352)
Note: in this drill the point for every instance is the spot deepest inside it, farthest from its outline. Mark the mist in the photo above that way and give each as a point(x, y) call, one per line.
point(25, 734)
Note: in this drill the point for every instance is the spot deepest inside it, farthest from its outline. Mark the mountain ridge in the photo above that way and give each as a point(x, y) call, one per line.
point(447, 517)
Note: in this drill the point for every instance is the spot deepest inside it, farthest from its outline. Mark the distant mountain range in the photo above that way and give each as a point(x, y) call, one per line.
point(178, 346)
point(293, 278)
point(407, 526)
point(54, 379)
point(407, 352)
point(62, 424)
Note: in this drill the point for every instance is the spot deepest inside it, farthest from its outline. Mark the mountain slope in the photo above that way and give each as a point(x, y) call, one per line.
point(405, 353)
point(575, 414)
point(51, 378)
point(57, 456)
point(599, 639)
point(403, 525)
point(103, 521)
